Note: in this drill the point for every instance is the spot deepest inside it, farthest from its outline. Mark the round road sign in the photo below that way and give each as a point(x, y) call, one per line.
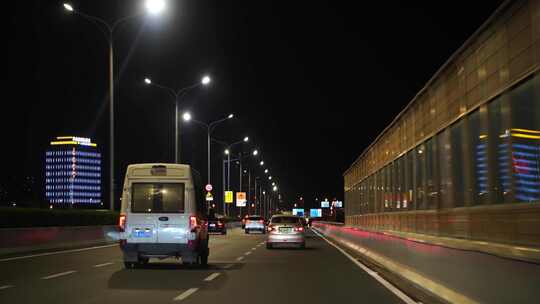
point(208, 187)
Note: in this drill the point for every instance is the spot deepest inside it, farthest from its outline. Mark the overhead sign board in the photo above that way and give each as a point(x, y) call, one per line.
point(209, 197)
point(228, 197)
point(298, 211)
point(208, 187)
point(338, 204)
point(325, 204)
point(315, 212)
point(241, 199)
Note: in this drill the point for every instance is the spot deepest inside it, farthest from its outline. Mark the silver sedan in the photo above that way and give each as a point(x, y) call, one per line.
point(285, 230)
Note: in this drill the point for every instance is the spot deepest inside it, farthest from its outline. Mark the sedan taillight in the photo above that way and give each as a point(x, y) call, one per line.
point(192, 222)
point(271, 228)
point(299, 229)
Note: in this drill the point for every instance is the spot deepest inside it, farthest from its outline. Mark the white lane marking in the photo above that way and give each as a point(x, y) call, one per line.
point(104, 264)
point(227, 266)
point(56, 275)
point(55, 252)
point(239, 258)
point(247, 253)
point(253, 248)
point(5, 287)
point(185, 294)
point(372, 273)
point(212, 276)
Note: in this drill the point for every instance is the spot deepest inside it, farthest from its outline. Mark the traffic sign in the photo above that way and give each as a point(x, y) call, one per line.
point(209, 197)
point(208, 187)
point(228, 197)
point(240, 199)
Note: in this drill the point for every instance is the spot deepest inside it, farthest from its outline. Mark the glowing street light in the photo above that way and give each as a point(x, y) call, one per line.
point(246, 139)
point(206, 80)
point(270, 177)
point(265, 171)
point(186, 116)
point(255, 152)
point(275, 188)
point(148, 80)
point(155, 6)
point(261, 163)
point(68, 7)
point(227, 151)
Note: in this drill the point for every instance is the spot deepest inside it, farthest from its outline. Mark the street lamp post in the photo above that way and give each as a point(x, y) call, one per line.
point(177, 95)
point(154, 7)
point(209, 128)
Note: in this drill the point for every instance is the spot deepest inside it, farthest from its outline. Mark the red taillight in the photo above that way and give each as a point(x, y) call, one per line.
point(220, 224)
point(192, 222)
point(261, 221)
point(122, 223)
point(247, 221)
point(299, 229)
point(270, 228)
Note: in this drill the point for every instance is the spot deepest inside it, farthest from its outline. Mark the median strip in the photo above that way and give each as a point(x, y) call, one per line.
point(185, 294)
point(212, 276)
point(56, 275)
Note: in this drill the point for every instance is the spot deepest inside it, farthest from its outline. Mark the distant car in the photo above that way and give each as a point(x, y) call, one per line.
point(255, 223)
point(217, 224)
point(285, 230)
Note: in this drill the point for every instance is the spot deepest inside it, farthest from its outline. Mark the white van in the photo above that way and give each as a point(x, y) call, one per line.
point(163, 215)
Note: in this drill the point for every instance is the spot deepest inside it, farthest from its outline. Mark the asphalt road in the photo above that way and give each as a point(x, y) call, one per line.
point(241, 270)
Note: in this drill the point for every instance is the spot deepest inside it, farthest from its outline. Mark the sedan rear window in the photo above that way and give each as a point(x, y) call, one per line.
point(285, 220)
point(157, 198)
point(255, 218)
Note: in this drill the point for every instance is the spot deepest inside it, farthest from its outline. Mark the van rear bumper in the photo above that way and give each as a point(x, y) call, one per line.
point(132, 251)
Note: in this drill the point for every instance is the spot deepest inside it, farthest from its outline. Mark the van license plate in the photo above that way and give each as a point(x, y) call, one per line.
point(142, 233)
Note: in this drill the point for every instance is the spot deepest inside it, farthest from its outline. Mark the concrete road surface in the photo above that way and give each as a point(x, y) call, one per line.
point(241, 270)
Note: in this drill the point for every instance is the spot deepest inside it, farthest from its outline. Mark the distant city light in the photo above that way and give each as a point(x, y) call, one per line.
point(205, 80)
point(186, 116)
point(68, 7)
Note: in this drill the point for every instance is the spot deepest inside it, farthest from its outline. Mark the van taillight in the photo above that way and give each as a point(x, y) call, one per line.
point(192, 222)
point(122, 222)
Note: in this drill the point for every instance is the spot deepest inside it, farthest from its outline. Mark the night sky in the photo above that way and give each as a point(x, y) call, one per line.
point(312, 83)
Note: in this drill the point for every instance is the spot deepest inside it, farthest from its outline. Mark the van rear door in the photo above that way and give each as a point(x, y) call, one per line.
point(162, 204)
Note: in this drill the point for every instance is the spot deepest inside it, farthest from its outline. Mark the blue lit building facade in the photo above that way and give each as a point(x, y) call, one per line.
point(73, 172)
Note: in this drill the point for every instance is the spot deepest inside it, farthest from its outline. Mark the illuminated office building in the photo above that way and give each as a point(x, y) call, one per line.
point(73, 172)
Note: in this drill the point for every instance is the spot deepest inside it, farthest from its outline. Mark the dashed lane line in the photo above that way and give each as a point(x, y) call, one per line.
point(247, 253)
point(55, 252)
point(101, 265)
point(239, 258)
point(185, 294)
point(5, 287)
point(56, 275)
point(212, 276)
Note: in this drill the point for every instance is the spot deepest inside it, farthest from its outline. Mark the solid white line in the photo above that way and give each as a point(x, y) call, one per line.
point(104, 264)
point(372, 273)
point(212, 276)
point(55, 252)
point(239, 258)
point(5, 287)
point(56, 275)
point(248, 253)
point(185, 294)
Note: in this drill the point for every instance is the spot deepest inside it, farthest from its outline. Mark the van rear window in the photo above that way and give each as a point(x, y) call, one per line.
point(157, 198)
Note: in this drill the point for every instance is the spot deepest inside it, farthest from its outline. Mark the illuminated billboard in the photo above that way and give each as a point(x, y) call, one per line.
point(337, 204)
point(315, 212)
point(298, 211)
